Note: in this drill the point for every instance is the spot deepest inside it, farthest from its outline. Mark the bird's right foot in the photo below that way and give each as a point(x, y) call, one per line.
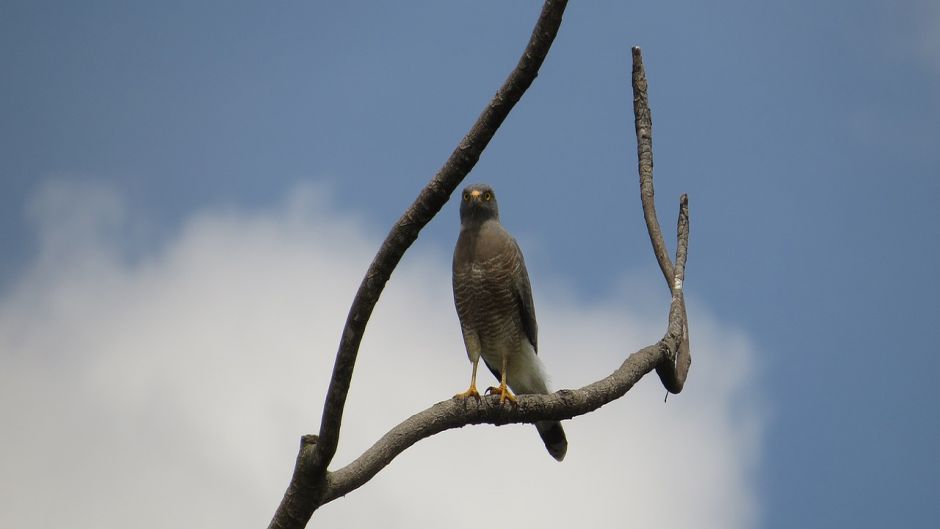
point(472, 392)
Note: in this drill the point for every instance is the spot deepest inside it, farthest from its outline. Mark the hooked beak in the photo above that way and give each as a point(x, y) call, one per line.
point(475, 196)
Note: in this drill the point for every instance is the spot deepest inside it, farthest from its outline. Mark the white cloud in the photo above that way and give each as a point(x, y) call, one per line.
point(172, 390)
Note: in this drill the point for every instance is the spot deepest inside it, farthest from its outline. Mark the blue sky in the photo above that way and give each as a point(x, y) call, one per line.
point(804, 133)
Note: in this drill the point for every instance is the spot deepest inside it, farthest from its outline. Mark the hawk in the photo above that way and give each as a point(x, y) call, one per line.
point(494, 304)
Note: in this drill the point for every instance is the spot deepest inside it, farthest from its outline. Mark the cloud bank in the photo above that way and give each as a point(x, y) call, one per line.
point(171, 388)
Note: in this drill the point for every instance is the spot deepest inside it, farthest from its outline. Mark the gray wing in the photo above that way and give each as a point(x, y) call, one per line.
point(463, 294)
point(523, 291)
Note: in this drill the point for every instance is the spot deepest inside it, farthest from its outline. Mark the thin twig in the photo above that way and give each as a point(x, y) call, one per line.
point(644, 151)
point(674, 369)
point(682, 241)
point(684, 352)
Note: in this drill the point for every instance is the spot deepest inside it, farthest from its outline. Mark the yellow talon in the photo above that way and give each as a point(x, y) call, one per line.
point(472, 392)
point(504, 393)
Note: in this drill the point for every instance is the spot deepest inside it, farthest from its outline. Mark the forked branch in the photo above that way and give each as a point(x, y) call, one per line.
point(312, 485)
point(308, 484)
point(674, 368)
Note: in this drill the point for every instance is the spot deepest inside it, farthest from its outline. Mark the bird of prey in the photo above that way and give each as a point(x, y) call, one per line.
point(494, 304)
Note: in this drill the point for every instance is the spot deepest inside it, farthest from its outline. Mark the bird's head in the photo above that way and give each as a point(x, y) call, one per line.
point(478, 204)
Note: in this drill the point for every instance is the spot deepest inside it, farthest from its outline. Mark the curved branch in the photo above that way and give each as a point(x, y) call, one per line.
point(305, 490)
point(456, 413)
point(431, 199)
point(672, 350)
point(312, 485)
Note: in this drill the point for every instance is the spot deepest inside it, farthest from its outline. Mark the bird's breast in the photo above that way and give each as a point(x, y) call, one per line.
point(486, 303)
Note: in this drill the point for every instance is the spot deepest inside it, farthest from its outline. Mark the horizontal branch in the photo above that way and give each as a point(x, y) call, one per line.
point(456, 413)
point(670, 357)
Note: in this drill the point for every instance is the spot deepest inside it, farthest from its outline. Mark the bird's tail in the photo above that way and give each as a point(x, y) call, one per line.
point(553, 435)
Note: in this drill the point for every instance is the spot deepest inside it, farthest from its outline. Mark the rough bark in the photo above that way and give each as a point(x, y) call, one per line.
point(674, 368)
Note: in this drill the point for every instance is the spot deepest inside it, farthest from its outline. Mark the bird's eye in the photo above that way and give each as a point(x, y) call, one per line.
point(487, 196)
point(466, 196)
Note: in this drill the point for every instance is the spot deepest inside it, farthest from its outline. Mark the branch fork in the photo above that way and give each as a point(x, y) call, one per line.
point(312, 485)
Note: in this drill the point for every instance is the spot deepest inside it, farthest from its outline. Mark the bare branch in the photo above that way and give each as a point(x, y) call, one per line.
point(304, 494)
point(456, 413)
point(431, 199)
point(682, 243)
point(670, 355)
point(674, 369)
point(312, 485)
point(644, 151)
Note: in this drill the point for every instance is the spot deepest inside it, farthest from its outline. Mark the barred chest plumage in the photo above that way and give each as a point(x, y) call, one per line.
point(497, 314)
point(487, 304)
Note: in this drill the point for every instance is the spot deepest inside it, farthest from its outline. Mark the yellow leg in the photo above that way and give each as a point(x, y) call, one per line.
point(472, 392)
point(503, 389)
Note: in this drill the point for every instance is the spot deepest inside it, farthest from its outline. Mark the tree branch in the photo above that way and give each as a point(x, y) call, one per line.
point(563, 404)
point(312, 485)
point(643, 121)
point(456, 413)
point(674, 369)
point(307, 487)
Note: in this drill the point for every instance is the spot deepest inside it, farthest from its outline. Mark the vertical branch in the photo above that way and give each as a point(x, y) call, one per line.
point(682, 242)
point(644, 152)
point(684, 352)
point(674, 369)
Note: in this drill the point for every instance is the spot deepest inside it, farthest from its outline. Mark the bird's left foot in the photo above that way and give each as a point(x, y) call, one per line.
point(503, 392)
